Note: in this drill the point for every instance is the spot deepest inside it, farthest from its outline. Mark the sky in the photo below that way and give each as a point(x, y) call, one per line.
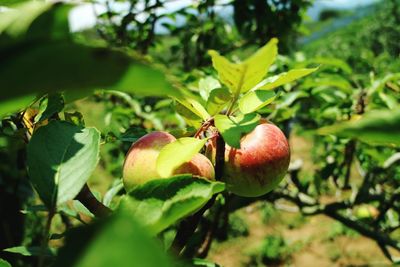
point(83, 16)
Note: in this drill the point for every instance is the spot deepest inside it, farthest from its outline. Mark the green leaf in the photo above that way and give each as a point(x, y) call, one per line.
point(15, 104)
point(90, 68)
point(288, 99)
point(176, 153)
point(330, 62)
point(329, 81)
point(35, 42)
point(116, 241)
point(375, 127)
point(206, 85)
point(233, 128)
point(284, 78)
point(49, 106)
point(33, 21)
point(112, 192)
point(190, 117)
point(10, 3)
point(254, 100)
point(61, 158)
point(244, 76)
point(218, 100)
point(3, 263)
point(162, 202)
point(378, 85)
point(194, 106)
point(204, 263)
point(31, 251)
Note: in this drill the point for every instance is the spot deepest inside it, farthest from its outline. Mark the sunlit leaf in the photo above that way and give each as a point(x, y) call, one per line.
point(284, 78)
point(190, 117)
point(254, 100)
point(206, 85)
point(176, 153)
point(61, 158)
point(233, 128)
point(241, 77)
point(194, 106)
point(218, 100)
point(160, 203)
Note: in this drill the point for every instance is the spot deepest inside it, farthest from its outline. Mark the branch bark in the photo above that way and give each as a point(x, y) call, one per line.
point(189, 225)
point(87, 198)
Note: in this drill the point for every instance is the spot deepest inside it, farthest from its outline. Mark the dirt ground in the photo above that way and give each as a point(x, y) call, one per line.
point(316, 248)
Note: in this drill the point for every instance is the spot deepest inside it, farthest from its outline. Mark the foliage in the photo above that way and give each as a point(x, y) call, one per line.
point(272, 250)
point(368, 44)
point(62, 155)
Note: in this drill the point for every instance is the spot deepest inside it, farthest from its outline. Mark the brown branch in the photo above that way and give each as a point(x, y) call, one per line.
point(202, 252)
point(219, 157)
point(188, 226)
point(87, 198)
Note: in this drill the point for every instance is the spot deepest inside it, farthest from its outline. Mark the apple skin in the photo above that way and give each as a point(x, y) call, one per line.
point(199, 165)
point(366, 212)
point(140, 161)
point(260, 163)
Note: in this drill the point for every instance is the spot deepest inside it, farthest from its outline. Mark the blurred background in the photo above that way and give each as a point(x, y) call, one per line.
point(339, 204)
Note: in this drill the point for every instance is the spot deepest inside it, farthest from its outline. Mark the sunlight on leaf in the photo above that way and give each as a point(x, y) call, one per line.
point(176, 153)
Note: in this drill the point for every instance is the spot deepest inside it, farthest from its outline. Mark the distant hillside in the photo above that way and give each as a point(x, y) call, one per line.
point(320, 29)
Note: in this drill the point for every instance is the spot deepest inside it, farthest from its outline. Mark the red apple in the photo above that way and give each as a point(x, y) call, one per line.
point(140, 162)
point(259, 164)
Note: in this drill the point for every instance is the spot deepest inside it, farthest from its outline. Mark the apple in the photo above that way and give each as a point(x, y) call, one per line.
point(366, 212)
point(140, 162)
point(259, 164)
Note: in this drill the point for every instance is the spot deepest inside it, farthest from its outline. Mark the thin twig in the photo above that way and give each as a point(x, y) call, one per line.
point(45, 238)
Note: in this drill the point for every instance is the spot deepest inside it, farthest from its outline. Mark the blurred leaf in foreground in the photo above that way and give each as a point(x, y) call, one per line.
point(3, 263)
point(117, 241)
point(38, 55)
point(380, 127)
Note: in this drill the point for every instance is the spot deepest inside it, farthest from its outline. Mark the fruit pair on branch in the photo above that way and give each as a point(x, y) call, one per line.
point(252, 170)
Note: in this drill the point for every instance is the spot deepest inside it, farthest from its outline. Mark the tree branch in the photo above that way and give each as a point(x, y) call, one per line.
point(87, 198)
point(188, 226)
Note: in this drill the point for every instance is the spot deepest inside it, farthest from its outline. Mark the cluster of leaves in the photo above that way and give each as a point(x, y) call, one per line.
point(62, 153)
point(186, 34)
